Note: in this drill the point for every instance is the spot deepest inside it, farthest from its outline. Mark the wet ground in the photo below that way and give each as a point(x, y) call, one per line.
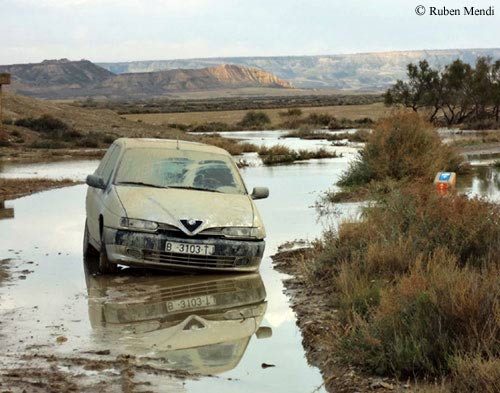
point(129, 329)
point(61, 324)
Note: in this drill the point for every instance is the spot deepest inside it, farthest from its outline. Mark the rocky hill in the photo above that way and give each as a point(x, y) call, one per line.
point(56, 75)
point(363, 71)
point(60, 79)
point(211, 78)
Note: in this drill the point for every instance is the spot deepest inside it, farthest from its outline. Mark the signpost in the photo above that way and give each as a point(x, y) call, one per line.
point(4, 80)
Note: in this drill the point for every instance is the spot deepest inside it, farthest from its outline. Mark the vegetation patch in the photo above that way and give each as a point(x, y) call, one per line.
point(234, 147)
point(311, 133)
point(281, 154)
point(401, 147)
point(254, 120)
point(415, 283)
point(459, 94)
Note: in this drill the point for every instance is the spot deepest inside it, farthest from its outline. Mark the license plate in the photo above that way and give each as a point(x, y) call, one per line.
point(190, 248)
point(190, 303)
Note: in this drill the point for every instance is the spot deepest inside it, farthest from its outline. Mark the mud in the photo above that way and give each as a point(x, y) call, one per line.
point(319, 325)
point(22, 154)
point(17, 188)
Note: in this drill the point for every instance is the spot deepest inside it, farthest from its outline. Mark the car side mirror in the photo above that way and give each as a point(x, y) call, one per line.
point(260, 193)
point(264, 332)
point(96, 182)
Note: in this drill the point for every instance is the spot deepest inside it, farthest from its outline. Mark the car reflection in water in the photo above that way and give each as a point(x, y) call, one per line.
point(200, 324)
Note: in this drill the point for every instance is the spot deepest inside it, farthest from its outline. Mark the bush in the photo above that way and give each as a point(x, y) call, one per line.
point(280, 154)
point(45, 123)
point(403, 146)
point(319, 119)
point(475, 375)
point(232, 146)
point(210, 127)
point(291, 112)
point(253, 119)
point(416, 284)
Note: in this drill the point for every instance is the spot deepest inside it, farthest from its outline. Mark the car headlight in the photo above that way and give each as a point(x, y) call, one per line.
point(138, 225)
point(244, 232)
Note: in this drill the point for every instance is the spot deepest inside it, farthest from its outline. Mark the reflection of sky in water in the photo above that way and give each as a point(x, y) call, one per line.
point(76, 170)
point(484, 182)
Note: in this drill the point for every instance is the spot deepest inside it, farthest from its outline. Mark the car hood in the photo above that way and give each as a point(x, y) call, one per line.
point(170, 205)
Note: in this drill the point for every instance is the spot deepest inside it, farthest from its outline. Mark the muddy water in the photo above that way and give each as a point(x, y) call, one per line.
point(56, 306)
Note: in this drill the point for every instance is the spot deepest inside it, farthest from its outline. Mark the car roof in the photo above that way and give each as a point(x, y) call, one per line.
point(153, 143)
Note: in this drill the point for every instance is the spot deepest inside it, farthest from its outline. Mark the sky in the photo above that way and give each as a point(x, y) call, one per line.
point(125, 30)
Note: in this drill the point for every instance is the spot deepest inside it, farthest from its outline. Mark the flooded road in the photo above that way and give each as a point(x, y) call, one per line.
point(139, 331)
point(237, 333)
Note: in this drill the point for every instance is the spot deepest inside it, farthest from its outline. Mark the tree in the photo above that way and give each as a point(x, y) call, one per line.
point(422, 90)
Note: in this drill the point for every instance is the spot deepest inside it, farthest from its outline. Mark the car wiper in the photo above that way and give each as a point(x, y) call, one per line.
point(140, 183)
point(194, 188)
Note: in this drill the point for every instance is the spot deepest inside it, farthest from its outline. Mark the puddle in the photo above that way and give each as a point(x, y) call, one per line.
point(74, 170)
point(484, 182)
point(60, 310)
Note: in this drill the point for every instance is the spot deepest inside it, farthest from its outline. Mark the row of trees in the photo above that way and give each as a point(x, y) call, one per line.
point(459, 93)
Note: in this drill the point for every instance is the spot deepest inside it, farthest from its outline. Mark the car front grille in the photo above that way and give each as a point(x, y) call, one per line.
point(214, 261)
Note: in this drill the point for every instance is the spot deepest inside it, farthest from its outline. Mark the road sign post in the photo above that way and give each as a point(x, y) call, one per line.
point(4, 80)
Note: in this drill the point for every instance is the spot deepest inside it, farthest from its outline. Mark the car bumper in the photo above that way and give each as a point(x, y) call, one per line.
point(148, 250)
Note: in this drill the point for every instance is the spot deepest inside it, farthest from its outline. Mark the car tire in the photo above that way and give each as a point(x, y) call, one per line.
point(105, 265)
point(88, 249)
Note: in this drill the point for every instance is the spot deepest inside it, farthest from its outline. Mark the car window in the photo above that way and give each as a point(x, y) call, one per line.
point(110, 165)
point(180, 169)
point(104, 160)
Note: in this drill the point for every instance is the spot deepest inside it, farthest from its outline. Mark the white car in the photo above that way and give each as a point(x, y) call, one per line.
point(169, 204)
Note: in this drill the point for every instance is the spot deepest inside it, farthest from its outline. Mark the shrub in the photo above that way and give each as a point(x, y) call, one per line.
point(475, 374)
point(277, 154)
point(291, 112)
point(320, 119)
point(400, 147)
point(210, 127)
point(280, 154)
point(416, 284)
point(254, 119)
point(45, 123)
point(230, 145)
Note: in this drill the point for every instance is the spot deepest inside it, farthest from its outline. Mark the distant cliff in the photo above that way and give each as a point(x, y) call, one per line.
point(73, 79)
point(363, 71)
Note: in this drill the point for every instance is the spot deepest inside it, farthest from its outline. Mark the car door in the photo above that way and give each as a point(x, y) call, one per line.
point(95, 196)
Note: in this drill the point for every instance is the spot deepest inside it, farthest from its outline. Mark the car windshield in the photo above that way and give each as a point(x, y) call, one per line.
point(188, 169)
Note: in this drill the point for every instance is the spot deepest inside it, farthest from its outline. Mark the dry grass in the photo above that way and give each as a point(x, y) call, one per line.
point(476, 375)
point(352, 112)
point(415, 282)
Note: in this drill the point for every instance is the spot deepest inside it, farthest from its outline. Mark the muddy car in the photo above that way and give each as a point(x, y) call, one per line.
point(172, 205)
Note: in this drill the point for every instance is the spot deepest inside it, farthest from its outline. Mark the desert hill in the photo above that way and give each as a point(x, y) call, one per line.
point(61, 79)
point(83, 120)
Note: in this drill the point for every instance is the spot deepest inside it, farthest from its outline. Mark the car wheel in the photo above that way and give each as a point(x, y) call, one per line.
point(88, 249)
point(105, 265)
